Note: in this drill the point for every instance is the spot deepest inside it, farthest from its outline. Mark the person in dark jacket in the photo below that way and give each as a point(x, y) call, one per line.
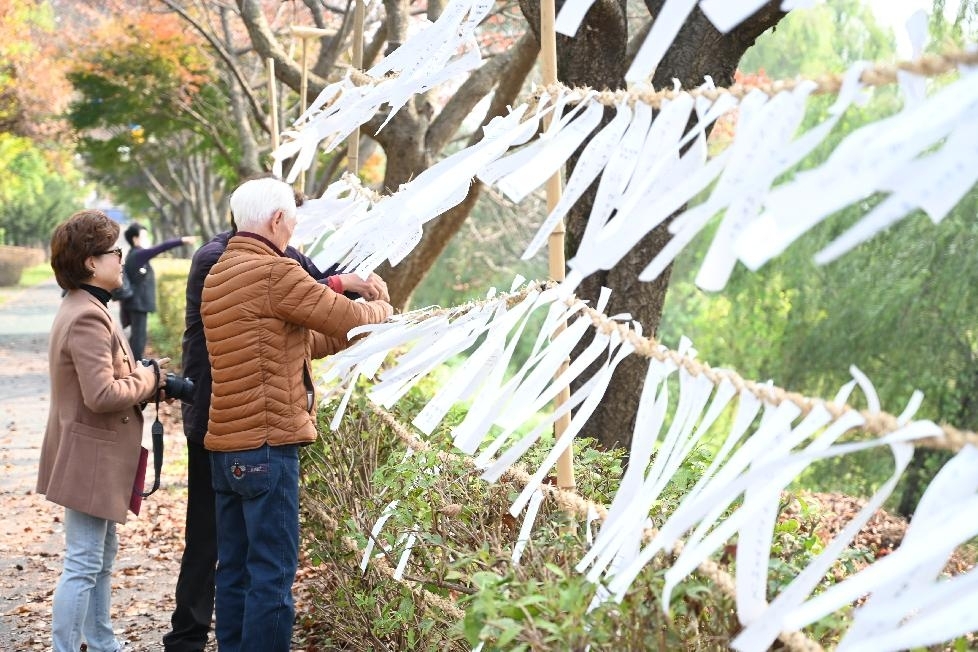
point(135, 310)
point(191, 619)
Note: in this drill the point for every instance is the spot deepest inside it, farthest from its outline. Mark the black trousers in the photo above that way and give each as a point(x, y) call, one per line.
point(191, 619)
point(137, 333)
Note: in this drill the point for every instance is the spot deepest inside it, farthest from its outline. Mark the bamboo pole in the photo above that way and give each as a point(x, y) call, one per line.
point(273, 102)
point(353, 140)
point(555, 247)
point(303, 90)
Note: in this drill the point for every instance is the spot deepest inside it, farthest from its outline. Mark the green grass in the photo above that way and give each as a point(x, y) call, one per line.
point(31, 276)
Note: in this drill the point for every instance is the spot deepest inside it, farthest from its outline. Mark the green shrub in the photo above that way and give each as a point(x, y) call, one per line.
point(167, 324)
point(462, 554)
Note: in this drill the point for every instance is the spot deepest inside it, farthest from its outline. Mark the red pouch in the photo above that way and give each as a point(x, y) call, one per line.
point(136, 500)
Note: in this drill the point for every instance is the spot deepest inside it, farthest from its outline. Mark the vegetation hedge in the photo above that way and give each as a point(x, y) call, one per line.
point(166, 327)
point(14, 260)
point(463, 538)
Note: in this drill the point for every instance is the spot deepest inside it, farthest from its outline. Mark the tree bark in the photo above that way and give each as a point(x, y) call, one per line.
point(402, 281)
point(267, 45)
point(249, 163)
point(596, 57)
point(415, 136)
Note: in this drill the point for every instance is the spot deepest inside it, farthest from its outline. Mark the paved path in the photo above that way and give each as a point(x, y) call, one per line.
point(25, 320)
point(31, 535)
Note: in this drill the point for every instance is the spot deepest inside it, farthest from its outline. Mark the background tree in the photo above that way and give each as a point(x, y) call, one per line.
point(38, 190)
point(598, 57)
point(40, 185)
point(421, 130)
point(900, 306)
point(33, 90)
point(153, 121)
point(225, 117)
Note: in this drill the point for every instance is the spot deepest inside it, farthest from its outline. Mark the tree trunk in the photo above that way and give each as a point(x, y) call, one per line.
point(249, 163)
point(596, 58)
point(415, 136)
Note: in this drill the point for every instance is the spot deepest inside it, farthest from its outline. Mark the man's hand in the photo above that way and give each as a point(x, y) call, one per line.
point(371, 289)
point(189, 239)
point(388, 308)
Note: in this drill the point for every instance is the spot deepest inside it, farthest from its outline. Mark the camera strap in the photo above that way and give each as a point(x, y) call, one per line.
point(157, 433)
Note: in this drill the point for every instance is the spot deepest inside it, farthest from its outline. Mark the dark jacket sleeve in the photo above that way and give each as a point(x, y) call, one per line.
point(195, 363)
point(143, 255)
point(306, 263)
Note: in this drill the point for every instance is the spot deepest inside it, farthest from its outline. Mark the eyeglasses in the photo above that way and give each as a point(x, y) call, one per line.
point(117, 251)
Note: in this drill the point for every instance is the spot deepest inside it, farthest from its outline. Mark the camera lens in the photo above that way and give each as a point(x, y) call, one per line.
point(179, 388)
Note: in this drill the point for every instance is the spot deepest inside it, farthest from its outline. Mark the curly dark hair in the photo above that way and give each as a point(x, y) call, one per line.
point(84, 234)
point(132, 232)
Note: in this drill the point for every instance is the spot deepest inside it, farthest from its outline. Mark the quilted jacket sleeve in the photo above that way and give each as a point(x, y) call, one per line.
point(299, 299)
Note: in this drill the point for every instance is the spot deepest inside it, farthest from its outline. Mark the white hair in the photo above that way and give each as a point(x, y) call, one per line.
point(254, 202)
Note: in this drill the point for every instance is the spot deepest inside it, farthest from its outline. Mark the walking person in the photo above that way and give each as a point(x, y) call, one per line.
point(135, 309)
point(91, 447)
point(194, 595)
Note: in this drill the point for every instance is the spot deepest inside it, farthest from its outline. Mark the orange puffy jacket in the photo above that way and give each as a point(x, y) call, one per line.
point(264, 319)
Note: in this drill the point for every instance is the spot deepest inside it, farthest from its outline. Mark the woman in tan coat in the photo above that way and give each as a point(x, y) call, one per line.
point(91, 446)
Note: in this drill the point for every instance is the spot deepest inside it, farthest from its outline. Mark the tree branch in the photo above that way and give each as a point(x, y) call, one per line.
point(477, 86)
point(268, 47)
point(256, 110)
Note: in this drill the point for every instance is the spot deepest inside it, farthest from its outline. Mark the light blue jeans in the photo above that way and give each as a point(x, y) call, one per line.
point(81, 600)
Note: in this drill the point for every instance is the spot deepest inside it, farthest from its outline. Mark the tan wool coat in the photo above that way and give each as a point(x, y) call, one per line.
point(264, 320)
point(95, 425)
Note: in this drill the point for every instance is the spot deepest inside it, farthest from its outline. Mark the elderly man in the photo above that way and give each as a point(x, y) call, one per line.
point(193, 610)
point(264, 318)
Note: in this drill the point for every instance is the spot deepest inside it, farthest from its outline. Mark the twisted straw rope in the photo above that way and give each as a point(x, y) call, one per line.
point(952, 439)
point(880, 74)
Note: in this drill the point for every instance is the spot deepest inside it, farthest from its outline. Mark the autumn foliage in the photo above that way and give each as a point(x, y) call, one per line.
point(724, 129)
point(33, 90)
point(146, 64)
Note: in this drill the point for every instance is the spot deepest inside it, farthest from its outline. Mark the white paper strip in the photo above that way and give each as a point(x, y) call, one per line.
point(571, 15)
point(524, 536)
point(664, 30)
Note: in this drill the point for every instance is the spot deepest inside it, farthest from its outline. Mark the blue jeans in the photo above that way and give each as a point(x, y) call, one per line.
point(256, 496)
point(82, 597)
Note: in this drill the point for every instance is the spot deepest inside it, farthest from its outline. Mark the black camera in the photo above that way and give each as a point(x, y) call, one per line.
point(176, 387)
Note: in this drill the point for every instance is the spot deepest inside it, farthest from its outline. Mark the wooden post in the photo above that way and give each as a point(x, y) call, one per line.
point(353, 140)
point(557, 264)
point(305, 33)
point(272, 102)
point(303, 90)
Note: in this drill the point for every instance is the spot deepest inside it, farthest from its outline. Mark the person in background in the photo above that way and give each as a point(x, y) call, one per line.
point(135, 310)
point(91, 447)
point(194, 596)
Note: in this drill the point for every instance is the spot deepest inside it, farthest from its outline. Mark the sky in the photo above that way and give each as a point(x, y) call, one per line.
point(894, 14)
